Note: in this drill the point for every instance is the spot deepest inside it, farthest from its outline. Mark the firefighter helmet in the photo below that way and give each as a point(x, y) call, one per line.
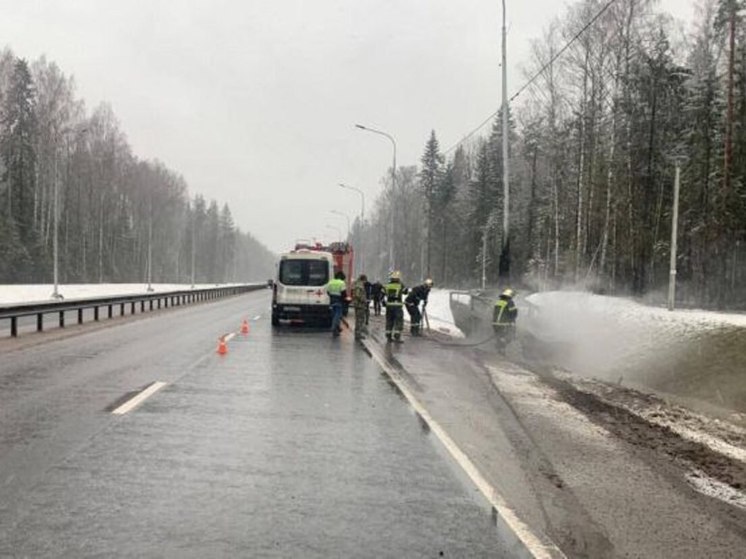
point(429, 282)
point(396, 275)
point(508, 292)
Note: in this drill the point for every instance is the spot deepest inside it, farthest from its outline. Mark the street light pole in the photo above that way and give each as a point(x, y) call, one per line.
point(55, 242)
point(484, 257)
point(55, 234)
point(344, 215)
point(362, 197)
point(193, 226)
point(337, 229)
point(674, 234)
point(393, 188)
point(150, 248)
point(362, 222)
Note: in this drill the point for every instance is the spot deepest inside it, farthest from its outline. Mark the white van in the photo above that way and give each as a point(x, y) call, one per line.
point(299, 293)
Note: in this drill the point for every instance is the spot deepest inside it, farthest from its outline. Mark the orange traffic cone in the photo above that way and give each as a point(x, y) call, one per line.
point(245, 327)
point(222, 346)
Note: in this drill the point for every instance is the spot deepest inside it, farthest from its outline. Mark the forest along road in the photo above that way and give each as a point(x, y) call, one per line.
point(291, 444)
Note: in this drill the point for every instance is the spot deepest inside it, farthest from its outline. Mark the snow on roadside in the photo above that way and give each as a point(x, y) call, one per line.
point(722, 437)
point(13, 294)
point(716, 489)
point(619, 307)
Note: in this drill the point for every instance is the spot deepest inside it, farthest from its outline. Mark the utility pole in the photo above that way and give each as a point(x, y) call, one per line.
point(505, 241)
point(674, 233)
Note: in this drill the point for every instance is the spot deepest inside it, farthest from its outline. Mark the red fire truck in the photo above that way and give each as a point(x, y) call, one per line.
point(342, 253)
point(343, 261)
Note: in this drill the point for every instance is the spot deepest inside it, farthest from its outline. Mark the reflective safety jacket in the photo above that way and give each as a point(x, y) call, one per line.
point(394, 291)
point(505, 312)
point(336, 290)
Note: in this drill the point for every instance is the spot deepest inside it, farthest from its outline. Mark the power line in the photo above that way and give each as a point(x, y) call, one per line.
point(533, 78)
point(563, 49)
point(470, 134)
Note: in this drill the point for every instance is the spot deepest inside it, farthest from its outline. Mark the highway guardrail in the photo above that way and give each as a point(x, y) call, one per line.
point(151, 301)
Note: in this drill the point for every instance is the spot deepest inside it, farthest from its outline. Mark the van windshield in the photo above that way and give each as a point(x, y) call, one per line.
point(304, 272)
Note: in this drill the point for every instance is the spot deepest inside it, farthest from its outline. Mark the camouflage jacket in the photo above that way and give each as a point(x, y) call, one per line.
point(359, 295)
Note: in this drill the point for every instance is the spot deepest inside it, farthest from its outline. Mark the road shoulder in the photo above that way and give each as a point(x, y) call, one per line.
point(566, 476)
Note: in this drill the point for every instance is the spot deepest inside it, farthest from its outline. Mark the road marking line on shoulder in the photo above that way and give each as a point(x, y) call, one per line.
point(230, 336)
point(139, 398)
point(536, 548)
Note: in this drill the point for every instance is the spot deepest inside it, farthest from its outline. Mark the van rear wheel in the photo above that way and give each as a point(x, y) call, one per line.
point(275, 320)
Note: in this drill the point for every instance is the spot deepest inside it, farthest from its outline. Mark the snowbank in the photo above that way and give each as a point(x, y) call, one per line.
point(629, 309)
point(10, 294)
point(690, 353)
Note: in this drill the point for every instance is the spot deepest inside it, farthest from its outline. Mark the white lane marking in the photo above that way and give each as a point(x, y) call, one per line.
point(230, 336)
point(140, 398)
point(530, 541)
point(257, 317)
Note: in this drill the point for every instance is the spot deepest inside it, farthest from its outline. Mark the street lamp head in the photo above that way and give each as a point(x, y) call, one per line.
point(360, 126)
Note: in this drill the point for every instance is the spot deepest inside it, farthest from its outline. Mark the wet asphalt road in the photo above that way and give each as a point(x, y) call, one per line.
point(292, 445)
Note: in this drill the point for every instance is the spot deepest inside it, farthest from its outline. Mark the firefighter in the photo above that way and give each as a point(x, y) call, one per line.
point(376, 293)
point(368, 288)
point(504, 317)
point(360, 303)
point(394, 291)
point(417, 295)
point(336, 289)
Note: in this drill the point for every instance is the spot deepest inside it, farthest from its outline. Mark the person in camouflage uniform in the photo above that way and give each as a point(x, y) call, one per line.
point(360, 304)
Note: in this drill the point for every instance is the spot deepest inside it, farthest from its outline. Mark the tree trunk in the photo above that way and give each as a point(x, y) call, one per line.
point(581, 167)
point(729, 117)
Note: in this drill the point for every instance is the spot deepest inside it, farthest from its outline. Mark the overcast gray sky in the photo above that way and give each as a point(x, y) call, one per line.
point(255, 101)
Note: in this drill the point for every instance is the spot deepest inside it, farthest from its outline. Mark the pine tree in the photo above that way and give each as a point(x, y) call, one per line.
point(18, 124)
point(430, 177)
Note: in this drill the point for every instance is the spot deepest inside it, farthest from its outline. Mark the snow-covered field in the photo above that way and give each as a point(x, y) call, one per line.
point(13, 294)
